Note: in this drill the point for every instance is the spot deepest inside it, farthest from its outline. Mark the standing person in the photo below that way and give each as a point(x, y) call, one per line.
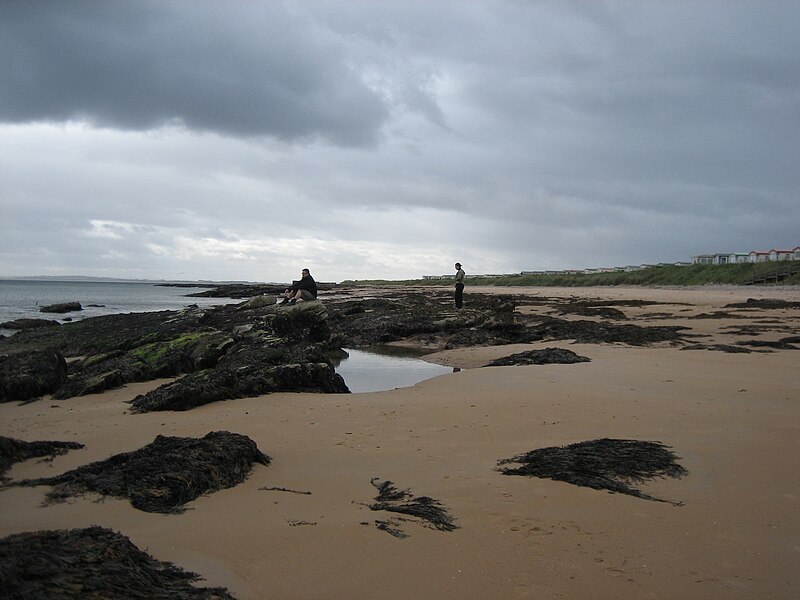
point(305, 289)
point(459, 295)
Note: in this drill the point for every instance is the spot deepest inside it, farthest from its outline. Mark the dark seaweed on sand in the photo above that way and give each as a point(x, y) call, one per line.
point(547, 356)
point(391, 527)
point(722, 348)
point(165, 474)
point(764, 303)
point(603, 464)
point(430, 511)
point(91, 563)
point(13, 451)
point(786, 343)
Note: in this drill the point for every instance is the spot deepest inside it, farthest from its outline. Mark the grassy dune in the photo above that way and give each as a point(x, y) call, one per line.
point(736, 274)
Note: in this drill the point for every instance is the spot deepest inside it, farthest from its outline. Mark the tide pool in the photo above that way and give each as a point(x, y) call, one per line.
point(377, 371)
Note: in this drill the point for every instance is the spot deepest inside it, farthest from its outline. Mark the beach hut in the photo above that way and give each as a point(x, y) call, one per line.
point(722, 258)
point(729, 258)
point(757, 256)
point(703, 259)
point(781, 254)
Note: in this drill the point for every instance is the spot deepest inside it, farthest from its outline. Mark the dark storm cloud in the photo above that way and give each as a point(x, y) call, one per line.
point(244, 69)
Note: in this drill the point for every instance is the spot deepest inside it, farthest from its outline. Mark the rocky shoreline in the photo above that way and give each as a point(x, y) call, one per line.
point(257, 346)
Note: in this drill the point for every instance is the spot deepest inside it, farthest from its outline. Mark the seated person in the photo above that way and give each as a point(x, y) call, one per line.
point(305, 289)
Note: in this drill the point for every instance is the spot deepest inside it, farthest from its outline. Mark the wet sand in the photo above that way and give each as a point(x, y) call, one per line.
point(733, 419)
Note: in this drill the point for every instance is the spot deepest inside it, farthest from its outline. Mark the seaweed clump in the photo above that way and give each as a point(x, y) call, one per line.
point(603, 464)
point(164, 475)
point(14, 451)
point(91, 563)
point(548, 356)
point(786, 343)
point(764, 303)
point(722, 348)
point(431, 512)
point(593, 332)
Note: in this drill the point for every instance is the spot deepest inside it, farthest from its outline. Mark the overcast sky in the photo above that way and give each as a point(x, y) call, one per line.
point(245, 140)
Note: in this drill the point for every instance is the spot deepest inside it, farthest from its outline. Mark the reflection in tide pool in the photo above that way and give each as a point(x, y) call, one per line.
point(375, 372)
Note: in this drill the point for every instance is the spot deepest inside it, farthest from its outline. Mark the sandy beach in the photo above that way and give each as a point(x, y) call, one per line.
point(733, 419)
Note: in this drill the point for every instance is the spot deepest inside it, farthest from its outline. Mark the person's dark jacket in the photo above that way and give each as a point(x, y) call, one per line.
point(306, 283)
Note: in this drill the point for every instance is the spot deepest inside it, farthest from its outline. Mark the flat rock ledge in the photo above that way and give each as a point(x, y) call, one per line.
point(430, 321)
point(19, 324)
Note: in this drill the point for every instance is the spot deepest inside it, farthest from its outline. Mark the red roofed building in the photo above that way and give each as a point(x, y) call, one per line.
point(781, 254)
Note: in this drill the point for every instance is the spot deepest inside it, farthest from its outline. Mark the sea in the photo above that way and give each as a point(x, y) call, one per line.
point(23, 299)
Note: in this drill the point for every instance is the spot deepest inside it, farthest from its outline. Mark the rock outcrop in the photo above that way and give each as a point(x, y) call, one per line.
point(62, 307)
point(226, 351)
point(431, 321)
point(31, 374)
point(257, 346)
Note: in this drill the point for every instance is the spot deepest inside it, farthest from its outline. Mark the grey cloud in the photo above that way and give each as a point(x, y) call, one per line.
point(241, 69)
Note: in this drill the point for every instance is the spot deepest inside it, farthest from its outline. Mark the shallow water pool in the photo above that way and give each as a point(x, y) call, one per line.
point(384, 369)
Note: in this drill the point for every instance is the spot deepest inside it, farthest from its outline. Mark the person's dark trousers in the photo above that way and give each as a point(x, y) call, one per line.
point(459, 295)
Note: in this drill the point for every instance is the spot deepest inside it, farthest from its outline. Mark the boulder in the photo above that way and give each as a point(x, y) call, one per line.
point(28, 375)
point(63, 307)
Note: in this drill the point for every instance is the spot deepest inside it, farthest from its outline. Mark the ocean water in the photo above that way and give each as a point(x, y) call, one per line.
point(22, 299)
